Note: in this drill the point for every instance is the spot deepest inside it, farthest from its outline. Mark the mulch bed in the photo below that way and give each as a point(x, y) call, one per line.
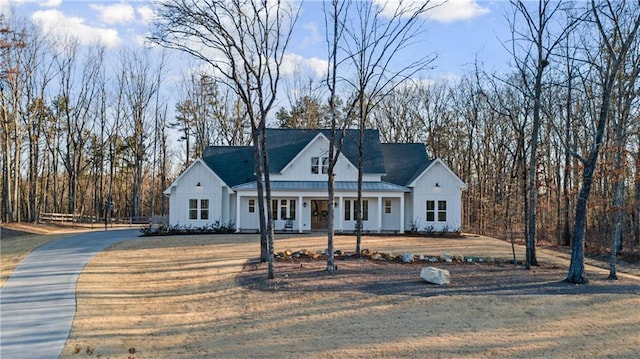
point(395, 278)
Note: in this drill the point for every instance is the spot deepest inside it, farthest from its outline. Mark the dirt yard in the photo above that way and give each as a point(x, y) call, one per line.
point(198, 297)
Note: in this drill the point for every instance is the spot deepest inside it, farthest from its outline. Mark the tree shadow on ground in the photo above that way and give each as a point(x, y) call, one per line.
point(392, 278)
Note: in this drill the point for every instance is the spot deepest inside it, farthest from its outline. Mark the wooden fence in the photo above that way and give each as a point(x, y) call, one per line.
point(80, 218)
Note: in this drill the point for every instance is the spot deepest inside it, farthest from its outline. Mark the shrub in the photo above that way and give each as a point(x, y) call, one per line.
point(216, 227)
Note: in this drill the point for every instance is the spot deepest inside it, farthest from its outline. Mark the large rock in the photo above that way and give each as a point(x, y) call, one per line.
point(435, 275)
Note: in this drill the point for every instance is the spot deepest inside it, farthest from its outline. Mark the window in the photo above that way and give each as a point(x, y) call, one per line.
point(193, 209)
point(274, 209)
point(292, 209)
point(442, 211)
point(319, 165)
point(431, 211)
point(252, 206)
point(347, 210)
point(365, 210)
point(387, 206)
point(283, 209)
point(349, 214)
point(204, 209)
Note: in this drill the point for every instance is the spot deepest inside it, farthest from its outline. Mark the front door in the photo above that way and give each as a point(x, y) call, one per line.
point(319, 214)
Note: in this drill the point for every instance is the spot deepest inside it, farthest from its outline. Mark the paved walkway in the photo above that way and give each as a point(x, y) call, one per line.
point(38, 301)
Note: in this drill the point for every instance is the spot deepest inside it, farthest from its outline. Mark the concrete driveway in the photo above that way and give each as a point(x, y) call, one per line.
point(38, 301)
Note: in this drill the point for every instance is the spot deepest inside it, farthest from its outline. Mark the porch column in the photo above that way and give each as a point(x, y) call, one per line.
point(299, 213)
point(379, 214)
point(402, 213)
point(338, 213)
point(238, 212)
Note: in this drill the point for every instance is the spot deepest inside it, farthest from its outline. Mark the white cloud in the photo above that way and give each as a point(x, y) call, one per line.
point(453, 10)
point(317, 65)
point(120, 13)
point(57, 24)
point(294, 63)
point(438, 10)
point(146, 14)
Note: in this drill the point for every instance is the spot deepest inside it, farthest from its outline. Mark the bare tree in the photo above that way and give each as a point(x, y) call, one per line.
point(617, 27)
point(14, 75)
point(399, 116)
point(625, 94)
point(244, 42)
point(140, 84)
point(78, 84)
point(208, 115)
point(373, 38)
point(531, 60)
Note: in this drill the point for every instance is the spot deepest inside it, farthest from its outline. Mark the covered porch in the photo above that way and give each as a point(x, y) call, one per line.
point(303, 206)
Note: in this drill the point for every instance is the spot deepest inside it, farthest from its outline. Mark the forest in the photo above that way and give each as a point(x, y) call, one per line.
point(554, 133)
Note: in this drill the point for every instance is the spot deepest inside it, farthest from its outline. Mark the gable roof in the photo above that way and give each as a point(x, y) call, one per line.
point(404, 162)
point(285, 144)
point(235, 164)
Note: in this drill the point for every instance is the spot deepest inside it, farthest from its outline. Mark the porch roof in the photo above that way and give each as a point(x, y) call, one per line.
point(321, 186)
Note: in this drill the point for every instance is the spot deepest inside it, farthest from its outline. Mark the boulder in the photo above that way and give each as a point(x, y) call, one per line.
point(407, 257)
point(435, 275)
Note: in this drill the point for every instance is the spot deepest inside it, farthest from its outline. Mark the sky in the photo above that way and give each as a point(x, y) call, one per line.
point(458, 31)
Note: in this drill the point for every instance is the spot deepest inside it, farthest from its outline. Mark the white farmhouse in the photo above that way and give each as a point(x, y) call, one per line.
point(402, 188)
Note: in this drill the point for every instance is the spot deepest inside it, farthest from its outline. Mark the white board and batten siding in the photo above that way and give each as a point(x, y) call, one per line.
point(198, 183)
point(299, 169)
point(436, 184)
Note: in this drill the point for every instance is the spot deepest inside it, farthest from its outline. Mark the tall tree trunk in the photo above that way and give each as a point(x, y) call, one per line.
point(267, 187)
point(616, 56)
point(257, 155)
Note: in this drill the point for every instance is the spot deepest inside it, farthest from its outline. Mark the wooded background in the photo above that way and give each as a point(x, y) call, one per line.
point(88, 133)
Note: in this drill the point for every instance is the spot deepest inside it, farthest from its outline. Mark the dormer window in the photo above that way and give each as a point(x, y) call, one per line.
point(319, 165)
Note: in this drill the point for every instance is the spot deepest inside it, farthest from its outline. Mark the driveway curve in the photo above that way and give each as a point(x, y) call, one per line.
point(38, 301)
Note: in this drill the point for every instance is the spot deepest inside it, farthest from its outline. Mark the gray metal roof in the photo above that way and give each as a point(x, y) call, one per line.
point(404, 162)
point(400, 163)
point(321, 186)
